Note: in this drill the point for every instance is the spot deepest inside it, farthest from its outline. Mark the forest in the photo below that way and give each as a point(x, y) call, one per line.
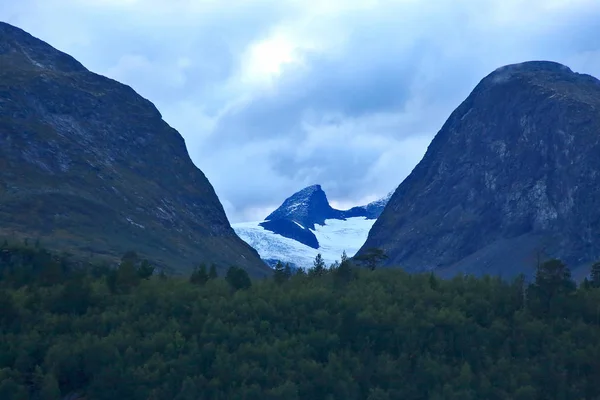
point(70, 330)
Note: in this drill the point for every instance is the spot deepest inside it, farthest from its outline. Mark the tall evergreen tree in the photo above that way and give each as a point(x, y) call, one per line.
point(552, 281)
point(553, 276)
point(595, 275)
point(279, 274)
point(145, 269)
point(344, 271)
point(318, 268)
point(200, 275)
point(212, 273)
point(238, 278)
point(127, 275)
point(344, 257)
point(287, 270)
point(130, 256)
point(372, 257)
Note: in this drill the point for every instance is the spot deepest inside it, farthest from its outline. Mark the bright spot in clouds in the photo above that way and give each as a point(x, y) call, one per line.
point(266, 58)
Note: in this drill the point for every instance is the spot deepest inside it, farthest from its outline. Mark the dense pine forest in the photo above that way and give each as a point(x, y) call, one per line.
point(77, 331)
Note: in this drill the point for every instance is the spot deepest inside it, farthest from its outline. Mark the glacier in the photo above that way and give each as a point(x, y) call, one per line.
point(335, 237)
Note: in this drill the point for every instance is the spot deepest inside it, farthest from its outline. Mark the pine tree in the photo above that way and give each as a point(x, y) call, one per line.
point(553, 276)
point(212, 273)
point(238, 278)
point(287, 270)
point(318, 268)
point(279, 274)
point(586, 284)
point(433, 281)
point(372, 257)
point(200, 275)
point(344, 271)
point(595, 275)
point(145, 269)
point(130, 256)
point(127, 275)
point(552, 280)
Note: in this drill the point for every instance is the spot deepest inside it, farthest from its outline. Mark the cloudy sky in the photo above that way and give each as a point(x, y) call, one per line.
point(275, 95)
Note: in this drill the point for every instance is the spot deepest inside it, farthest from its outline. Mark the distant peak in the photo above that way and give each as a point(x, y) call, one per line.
point(311, 188)
point(305, 195)
point(385, 198)
point(307, 206)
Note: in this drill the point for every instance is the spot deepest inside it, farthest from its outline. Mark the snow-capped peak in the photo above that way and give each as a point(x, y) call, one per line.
point(307, 207)
point(305, 224)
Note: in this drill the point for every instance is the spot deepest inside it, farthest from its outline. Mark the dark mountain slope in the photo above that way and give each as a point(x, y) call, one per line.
point(88, 164)
point(515, 170)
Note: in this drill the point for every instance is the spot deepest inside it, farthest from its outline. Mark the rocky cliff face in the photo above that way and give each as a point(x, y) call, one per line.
point(513, 174)
point(89, 165)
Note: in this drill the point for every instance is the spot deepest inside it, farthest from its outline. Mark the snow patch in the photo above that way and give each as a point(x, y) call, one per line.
point(298, 224)
point(335, 237)
point(135, 223)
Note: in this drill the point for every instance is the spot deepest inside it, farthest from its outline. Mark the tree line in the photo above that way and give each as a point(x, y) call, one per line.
point(346, 331)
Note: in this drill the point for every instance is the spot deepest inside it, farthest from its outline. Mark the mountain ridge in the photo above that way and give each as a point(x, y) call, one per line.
point(88, 165)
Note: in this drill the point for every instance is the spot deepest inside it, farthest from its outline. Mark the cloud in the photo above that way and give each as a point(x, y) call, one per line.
point(272, 96)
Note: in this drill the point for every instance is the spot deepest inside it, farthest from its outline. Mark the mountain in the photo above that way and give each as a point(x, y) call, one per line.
point(512, 175)
point(307, 207)
point(306, 224)
point(297, 216)
point(88, 165)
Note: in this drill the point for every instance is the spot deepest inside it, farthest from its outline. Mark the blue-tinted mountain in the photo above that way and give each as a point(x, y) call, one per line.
point(89, 166)
point(513, 175)
point(307, 207)
point(299, 213)
point(371, 211)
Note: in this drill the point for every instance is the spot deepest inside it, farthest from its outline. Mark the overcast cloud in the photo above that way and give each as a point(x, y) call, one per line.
point(272, 96)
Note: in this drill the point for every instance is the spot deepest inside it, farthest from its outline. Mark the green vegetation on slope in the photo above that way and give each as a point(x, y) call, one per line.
point(349, 333)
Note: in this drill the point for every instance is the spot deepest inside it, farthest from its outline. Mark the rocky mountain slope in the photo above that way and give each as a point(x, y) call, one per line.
point(88, 165)
point(513, 175)
point(306, 224)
